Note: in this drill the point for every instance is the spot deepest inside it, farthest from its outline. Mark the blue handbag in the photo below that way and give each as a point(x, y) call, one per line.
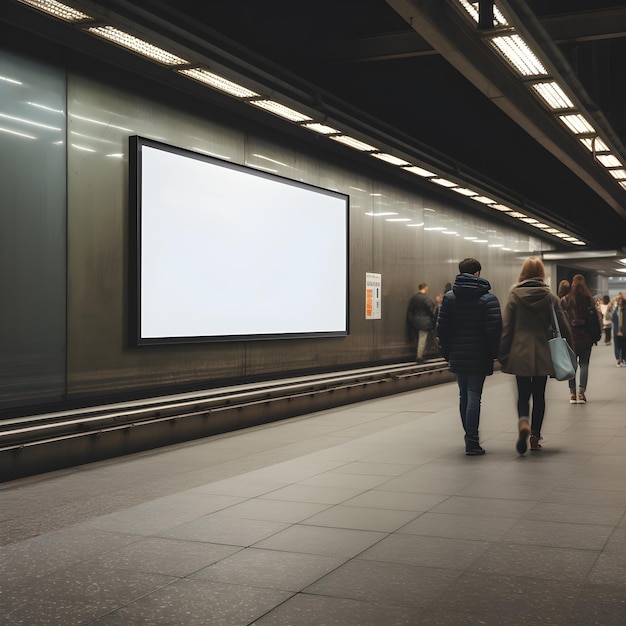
point(563, 357)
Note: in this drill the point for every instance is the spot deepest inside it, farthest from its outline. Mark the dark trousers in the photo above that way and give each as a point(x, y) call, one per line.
point(470, 392)
point(534, 386)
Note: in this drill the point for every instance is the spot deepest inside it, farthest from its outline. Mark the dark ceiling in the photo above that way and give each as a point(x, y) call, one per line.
point(367, 54)
point(418, 69)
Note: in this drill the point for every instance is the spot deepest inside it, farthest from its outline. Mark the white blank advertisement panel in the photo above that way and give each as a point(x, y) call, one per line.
point(227, 252)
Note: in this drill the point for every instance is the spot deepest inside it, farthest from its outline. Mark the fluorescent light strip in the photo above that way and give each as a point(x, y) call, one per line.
point(389, 158)
point(484, 200)
point(420, 171)
point(281, 110)
point(351, 142)
point(464, 191)
point(500, 207)
point(552, 94)
point(137, 45)
point(594, 144)
point(218, 82)
point(322, 129)
point(619, 174)
point(443, 182)
point(516, 214)
point(577, 124)
point(609, 160)
point(472, 11)
point(57, 9)
point(383, 214)
point(398, 219)
point(517, 53)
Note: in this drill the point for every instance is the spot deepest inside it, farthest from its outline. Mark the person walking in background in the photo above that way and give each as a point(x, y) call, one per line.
point(563, 289)
point(469, 326)
point(619, 330)
point(524, 352)
point(607, 322)
point(586, 329)
point(420, 315)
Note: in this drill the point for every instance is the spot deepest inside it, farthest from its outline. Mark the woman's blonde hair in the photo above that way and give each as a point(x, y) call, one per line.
point(532, 267)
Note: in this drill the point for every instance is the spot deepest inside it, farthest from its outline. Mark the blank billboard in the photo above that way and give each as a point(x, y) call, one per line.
point(221, 251)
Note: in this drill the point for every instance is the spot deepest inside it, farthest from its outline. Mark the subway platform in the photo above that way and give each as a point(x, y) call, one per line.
point(368, 514)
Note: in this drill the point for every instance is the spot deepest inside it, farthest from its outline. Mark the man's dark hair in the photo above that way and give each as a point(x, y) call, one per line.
point(469, 266)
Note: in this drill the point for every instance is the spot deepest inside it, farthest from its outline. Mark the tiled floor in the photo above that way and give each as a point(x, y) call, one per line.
point(370, 514)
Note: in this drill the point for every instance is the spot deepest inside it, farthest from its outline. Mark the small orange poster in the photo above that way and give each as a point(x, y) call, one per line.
point(373, 296)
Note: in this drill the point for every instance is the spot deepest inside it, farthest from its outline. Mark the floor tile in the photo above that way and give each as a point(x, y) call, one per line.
point(458, 526)
point(172, 557)
point(197, 603)
point(560, 535)
point(324, 541)
point(361, 518)
point(225, 529)
point(308, 610)
point(252, 567)
point(385, 583)
point(426, 551)
point(546, 563)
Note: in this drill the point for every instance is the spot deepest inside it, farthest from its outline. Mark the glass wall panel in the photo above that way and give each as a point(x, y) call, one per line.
point(32, 231)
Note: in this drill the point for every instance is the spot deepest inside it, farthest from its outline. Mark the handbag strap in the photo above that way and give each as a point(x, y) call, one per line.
point(555, 320)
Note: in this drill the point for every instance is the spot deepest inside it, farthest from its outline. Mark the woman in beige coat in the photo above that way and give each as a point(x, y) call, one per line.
point(527, 327)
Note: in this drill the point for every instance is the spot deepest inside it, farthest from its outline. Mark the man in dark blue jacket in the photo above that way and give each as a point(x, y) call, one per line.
point(469, 328)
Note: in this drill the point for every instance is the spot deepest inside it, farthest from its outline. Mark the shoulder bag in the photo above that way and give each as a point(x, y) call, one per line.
point(563, 357)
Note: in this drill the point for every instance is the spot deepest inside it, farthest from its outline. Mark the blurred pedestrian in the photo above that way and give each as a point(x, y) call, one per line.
point(619, 329)
point(586, 327)
point(607, 321)
point(524, 352)
point(420, 316)
point(564, 287)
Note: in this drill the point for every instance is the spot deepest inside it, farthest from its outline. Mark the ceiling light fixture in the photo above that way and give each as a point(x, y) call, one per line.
point(517, 53)
point(577, 124)
point(594, 144)
point(351, 142)
point(219, 82)
point(443, 182)
point(130, 42)
point(389, 158)
point(322, 129)
point(271, 106)
point(57, 9)
point(609, 160)
point(464, 191)
point(552, 94)
point(419, 171)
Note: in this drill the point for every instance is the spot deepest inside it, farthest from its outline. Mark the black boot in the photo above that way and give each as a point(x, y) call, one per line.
point(472, 446)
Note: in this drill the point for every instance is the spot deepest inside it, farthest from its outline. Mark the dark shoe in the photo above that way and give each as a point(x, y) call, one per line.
point(474, 450)
point(472, 446)
point(581, 397)
point(522, 440)
point(572, 398)
point(534, 442)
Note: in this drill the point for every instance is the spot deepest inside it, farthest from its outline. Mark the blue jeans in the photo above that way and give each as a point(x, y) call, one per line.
point(470, 392)
point(583, 368)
